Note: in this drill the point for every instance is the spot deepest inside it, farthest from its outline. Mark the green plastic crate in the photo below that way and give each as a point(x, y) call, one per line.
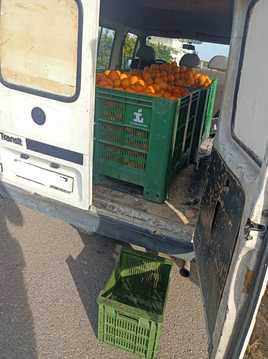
point(209, 103)
point(132, 304)
point(137, 137)
point(204, 117)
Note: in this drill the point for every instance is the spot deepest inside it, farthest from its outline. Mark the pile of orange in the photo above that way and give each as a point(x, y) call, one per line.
point(165, 80)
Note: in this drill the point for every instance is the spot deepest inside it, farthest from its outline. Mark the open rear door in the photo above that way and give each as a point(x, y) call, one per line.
point(48, 51)
point(230, 241)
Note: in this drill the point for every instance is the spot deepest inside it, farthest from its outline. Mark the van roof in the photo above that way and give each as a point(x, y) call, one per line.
point(204, 20)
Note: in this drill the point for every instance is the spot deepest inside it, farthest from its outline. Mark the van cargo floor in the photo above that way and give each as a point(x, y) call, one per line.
point(126, 203)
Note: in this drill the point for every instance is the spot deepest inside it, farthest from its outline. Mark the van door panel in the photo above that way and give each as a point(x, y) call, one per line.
point(47, 90)
point(215, 238)
point(227, 247)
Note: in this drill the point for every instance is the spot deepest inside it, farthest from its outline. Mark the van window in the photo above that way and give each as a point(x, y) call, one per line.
point(129, 49)
point(105, 47)
point(207, 50)
point(250, 125)
point(166, 49)
point(39, 46)
point(169, 49)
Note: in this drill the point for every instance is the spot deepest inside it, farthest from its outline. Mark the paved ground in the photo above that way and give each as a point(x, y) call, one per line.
point(50, 276)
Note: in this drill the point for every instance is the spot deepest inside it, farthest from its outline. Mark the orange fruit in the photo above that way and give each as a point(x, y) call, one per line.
point(164, 74)
point(113, 75)
point(123, 76)
point(196, 79)
point(102, 83)
point(155, 67)
point(171, 78)
point(156, 87)
point(163, 85)
point(150, 90)
point(202, 80)
point(135, 72)
point(141, 83)
point(99, 78)
point(158, 81)
point(207, 83)
point(148, 79)
point(130, 89)
point(107, 83)
point(139, 88)
point(107, 73)
point(179, 82)
point(191, 79)
point(117, 83)
point(133, 79)
point(177, 76)
point(125, 83)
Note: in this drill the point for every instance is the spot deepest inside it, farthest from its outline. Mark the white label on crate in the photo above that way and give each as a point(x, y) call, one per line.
point(138, 117)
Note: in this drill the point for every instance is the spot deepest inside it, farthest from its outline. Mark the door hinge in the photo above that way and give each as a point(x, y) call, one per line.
point(253, 227)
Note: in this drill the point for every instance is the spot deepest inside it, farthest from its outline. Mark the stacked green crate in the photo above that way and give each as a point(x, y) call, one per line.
point(141, 139)
point(204, 118)
point(132, 304)
point(208, 113)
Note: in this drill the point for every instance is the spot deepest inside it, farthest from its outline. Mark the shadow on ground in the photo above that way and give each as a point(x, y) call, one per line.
point(17, 337)
point(90, 271)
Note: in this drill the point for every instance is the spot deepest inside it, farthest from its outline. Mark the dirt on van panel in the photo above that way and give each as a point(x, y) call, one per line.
point(258, 346)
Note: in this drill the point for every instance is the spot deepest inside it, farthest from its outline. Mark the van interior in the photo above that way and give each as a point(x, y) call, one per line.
point(208, 22)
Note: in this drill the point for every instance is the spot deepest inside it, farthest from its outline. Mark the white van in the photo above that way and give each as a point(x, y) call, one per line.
point(49, 51)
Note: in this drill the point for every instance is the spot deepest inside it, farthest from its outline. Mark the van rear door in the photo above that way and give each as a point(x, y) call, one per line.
point(48, 51)
point(231, 240)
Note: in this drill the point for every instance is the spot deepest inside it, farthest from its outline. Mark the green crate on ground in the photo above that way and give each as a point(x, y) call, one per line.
point(142, 140)
point(132, 304)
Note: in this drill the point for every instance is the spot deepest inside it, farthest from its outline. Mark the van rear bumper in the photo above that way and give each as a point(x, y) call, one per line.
point(93, 222)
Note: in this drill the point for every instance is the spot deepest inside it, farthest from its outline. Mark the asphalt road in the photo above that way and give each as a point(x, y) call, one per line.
point(50, 276)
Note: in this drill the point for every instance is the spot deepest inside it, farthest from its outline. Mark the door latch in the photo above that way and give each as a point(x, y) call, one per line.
point(253, 227)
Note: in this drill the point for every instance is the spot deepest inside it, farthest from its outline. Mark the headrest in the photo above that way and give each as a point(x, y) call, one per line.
point(190, 60)
point(218, 62)
point(146, 53)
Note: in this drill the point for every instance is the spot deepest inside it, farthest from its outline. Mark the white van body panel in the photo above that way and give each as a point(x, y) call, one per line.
point(68, 127)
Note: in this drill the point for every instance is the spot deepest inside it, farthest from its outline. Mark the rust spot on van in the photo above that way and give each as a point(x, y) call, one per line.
point(249, 280)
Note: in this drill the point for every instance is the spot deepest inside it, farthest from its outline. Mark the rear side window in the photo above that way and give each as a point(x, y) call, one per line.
point(129, 49)
point(250, 121)
point(105, 48)
point(39, 46)
point(165, 48)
